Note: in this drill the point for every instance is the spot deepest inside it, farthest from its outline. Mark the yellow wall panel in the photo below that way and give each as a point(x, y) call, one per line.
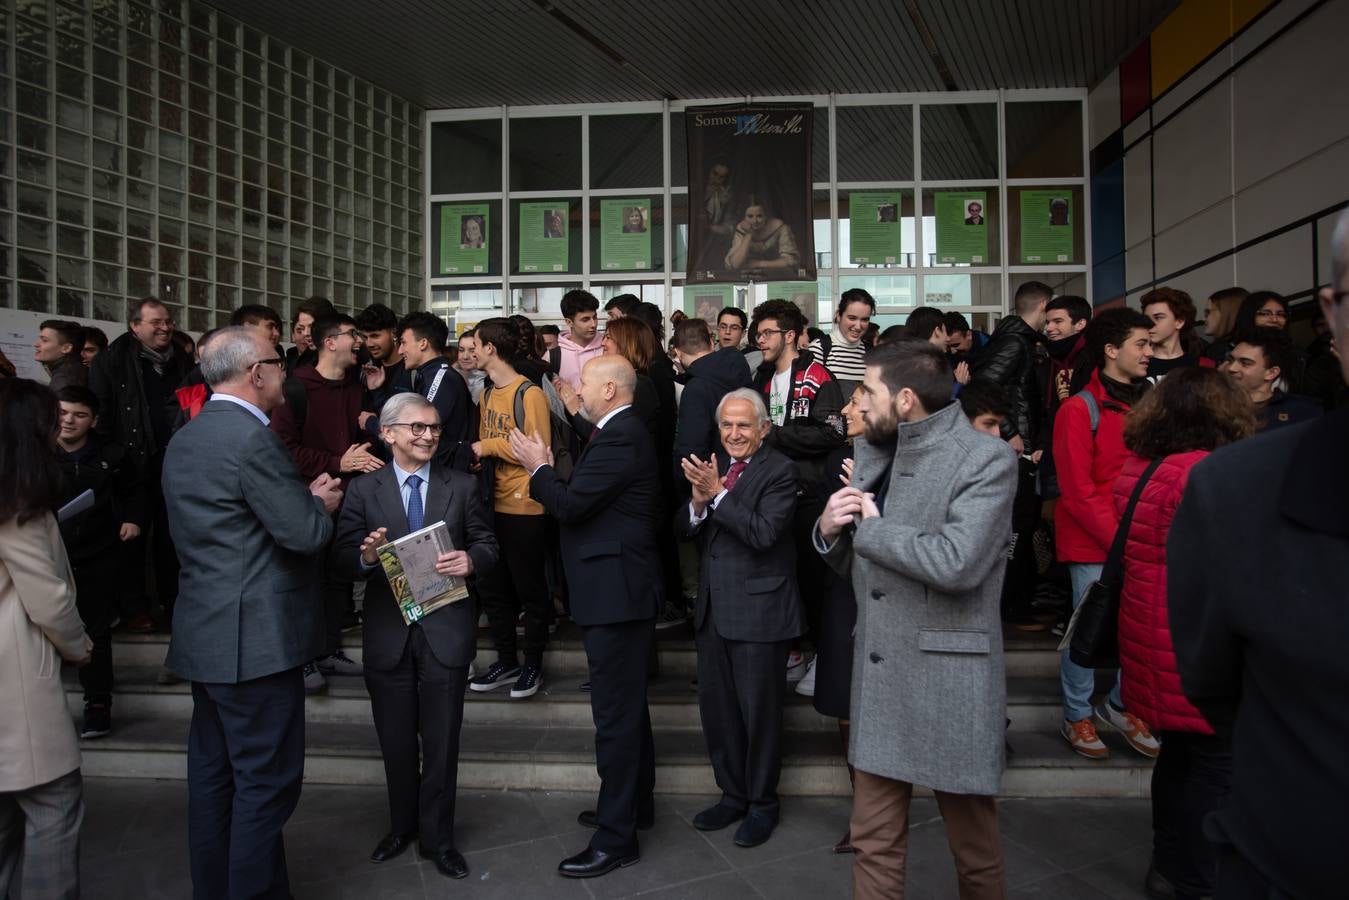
point(1244, 11)
point(1187, 37)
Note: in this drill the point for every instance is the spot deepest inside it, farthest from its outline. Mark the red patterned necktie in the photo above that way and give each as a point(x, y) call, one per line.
point(733, 474)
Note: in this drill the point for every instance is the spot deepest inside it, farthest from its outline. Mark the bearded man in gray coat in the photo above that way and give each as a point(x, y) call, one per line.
point(923, 532)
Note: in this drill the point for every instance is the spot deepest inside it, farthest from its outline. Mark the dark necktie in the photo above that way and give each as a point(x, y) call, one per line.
point(733, 473)
point(415, 512)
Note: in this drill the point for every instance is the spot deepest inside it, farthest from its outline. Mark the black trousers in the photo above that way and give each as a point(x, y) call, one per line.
point(420, 698)
point(337, 602)
point(1191, 779)
point(519, 582)
point(742, 686)
point(245, 762)
point(811, 571)
point(96, 601)
point(625, 755)
point(149, 564)
point(1018, 588)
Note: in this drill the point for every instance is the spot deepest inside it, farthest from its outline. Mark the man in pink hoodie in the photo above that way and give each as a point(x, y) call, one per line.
point(581, 342)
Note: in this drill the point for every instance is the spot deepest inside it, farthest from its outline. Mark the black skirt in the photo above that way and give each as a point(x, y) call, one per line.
point(833, 664)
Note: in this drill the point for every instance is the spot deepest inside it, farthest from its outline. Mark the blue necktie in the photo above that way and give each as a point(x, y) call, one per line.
point(415, 512)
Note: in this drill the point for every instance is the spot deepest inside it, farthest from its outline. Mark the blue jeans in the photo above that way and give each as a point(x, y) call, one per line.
point(1078, 682)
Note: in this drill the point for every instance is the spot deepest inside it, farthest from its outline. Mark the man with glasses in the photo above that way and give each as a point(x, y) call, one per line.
point(134, 381)
point(416, 673)
point(319, 425)
point(805, 405)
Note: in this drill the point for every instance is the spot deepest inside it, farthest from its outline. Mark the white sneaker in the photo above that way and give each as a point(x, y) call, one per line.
point(806, 686)
point(1134, 729)
point(796, 667)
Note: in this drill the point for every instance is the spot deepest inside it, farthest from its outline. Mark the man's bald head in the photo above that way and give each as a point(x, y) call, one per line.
point(607, 382)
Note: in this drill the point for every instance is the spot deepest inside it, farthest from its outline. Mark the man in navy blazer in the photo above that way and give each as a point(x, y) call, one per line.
point(248, 533)
point(609, 515)
point(417, 673)
point(748, 611)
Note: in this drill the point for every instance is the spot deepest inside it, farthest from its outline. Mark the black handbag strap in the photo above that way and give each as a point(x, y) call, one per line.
point(1114, 563)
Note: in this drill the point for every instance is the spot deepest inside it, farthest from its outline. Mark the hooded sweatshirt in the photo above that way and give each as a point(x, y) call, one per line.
point(574, 357)
point(709, 378)
point(329, 422)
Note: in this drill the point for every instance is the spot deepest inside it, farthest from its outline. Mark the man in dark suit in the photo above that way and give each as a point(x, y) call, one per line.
point(248, 616)
point(748, 611)
point(1258, 616)
point(416, 674)
point(609, 514)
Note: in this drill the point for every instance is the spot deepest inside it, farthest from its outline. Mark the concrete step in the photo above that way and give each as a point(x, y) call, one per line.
point(1033, 704)
point(1026, 655)
point(540, 757)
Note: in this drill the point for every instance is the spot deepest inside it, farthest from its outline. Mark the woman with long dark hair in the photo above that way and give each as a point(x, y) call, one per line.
point(1190, 413)
point(41, 793)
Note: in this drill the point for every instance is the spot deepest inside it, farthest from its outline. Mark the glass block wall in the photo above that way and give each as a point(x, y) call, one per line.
point(165, 148)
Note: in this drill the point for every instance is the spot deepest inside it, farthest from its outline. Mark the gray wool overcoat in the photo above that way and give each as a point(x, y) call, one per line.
point(929, 692)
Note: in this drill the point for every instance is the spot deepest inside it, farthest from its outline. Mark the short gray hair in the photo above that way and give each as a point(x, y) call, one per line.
point(228, 354)
point(754, 398)
point(399, 404)
point(1339, 250)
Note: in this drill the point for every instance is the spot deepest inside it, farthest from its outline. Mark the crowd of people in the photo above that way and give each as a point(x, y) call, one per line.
point(855, 515)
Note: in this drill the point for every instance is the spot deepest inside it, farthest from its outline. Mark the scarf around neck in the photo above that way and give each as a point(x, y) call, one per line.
point(156, 358)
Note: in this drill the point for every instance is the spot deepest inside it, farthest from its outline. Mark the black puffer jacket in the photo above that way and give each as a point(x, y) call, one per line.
point(124, 415)
point(1008, 359)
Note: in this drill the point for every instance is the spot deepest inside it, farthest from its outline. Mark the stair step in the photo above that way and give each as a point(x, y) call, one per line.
point(1025, 655)
point(540, 757)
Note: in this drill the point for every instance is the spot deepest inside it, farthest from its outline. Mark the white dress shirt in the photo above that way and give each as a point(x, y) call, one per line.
point(240, 401)
point(697, 518)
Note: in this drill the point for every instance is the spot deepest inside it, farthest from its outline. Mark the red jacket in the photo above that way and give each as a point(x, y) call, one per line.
point(1085, 518)
point(1147, 659)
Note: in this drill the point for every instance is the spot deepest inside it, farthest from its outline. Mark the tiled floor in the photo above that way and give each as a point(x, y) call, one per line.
point(135, 846)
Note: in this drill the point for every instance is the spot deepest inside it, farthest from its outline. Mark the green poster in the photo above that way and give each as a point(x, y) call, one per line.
point(625, 234)
point(1047, 226)
point(805, 294)
point(705, 301)
point(463, 238)
point(874, 227)
point(962, 229)
point(543, 236)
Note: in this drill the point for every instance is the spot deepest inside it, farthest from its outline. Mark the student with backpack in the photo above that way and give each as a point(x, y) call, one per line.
point(1089, 451)
point(511, 401)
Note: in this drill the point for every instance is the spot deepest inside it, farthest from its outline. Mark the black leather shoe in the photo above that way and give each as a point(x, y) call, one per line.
point(449, 863)
point(391, 845)
point(715, 818)
point(756, 829)
point(587, 819)
point(591, 863)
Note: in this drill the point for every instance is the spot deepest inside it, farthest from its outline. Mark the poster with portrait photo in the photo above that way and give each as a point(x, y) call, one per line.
point(463, 238)
point(962, 227)
point(1047, 226)
point(805, 295)
point(543, 244)
point(706, 301)
point(749, 193)
point(625, 234)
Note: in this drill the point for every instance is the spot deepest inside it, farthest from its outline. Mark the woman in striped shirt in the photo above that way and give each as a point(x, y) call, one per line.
point(843, 351)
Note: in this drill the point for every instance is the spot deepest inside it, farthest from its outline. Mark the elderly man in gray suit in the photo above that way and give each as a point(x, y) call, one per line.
point(923, 531)
point(748, 610)
point(247, 531)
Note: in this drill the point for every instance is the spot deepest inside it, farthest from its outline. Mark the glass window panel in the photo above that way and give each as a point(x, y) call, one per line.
point(107, 217)
point(139, 165)
point(140, 136)
point(72, 82)
point(199, 209)
point(1044, 139)
point(107, 33)
point(625, 151)
point(33, 266)
point(107, 186)
point(31, 36)
point(889, 290)
point(71, 115)
point(33, 134)
point(139, 194)
point(545, 154)
point(107, 247)
point(31, 68)
point(960, 141)
point(962, 290)
point(74, 303)
point(35, 201)
point(72, 51)
point(34, 233)
point(875, 143)
point(138, 283)
point(72, 210)
point(171, 175)
point(108, 65)
point(140, 106)
point(35, 298)
point(141, 225)
point(107, 125)
point(32, 101)
point(71, 145)
point(171, 260)
point(32, 167)
point(72, 272)
point(107, 278)
point(72, 177)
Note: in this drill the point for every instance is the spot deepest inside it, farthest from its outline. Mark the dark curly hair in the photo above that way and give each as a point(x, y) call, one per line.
point(1193, 408)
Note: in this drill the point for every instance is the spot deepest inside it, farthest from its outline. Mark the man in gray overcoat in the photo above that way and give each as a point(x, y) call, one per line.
point(923, 532)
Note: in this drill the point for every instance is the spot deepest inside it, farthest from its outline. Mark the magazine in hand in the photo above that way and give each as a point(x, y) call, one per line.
point(410, 565)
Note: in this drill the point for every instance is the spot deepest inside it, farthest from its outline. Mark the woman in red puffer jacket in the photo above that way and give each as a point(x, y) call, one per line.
point(1190, 413)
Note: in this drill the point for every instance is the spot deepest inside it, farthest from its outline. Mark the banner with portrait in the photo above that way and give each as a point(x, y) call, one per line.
point(625, 234)
point(749, 193)
point(463, 238)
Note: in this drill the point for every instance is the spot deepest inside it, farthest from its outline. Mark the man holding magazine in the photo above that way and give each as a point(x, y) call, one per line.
point(417, 672)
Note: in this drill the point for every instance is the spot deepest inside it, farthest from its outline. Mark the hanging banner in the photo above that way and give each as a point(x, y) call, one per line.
point(749, 193)
point(625, 234)
point(706, 301)
point(874, 228)
point(1047, 226)
point(463, 239)
point(543, 236)
point(962, 229)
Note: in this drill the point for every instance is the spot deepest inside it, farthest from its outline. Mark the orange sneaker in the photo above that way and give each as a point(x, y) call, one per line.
point(1134, 729)
point(1081, 735)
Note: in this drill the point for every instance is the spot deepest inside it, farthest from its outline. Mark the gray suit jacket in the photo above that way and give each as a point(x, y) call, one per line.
point(747, 576)
point(375, 501)
point(929, 692)
point(248, 533)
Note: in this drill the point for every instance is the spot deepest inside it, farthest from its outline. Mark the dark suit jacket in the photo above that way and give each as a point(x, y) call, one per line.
point(248, 534)
point(374, 501)
point(1259, 616)
point(609, 513)
point(748, 570)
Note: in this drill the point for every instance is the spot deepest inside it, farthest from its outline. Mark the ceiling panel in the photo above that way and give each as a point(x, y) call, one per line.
point(466, 53)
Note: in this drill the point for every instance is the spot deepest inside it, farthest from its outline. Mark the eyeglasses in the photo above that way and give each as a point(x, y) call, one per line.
point(158, 323)
point(277, 361)
point(765, 332)
point(732, 327)
point(418, 428)
point(1270, 314)
point(353, 334)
